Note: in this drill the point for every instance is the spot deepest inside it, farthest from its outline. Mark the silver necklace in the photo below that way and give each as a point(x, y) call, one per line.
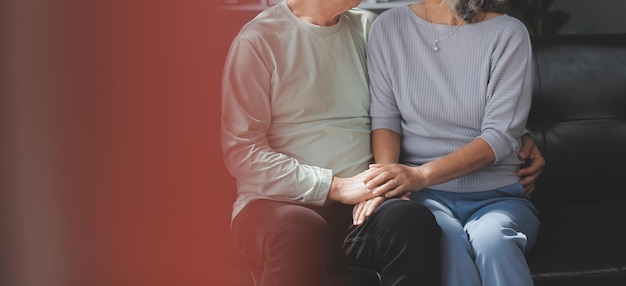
point(432, 31)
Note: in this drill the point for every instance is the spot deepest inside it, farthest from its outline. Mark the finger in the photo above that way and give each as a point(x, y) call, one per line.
point(375, 202)
point(387, 186)
point(368, 175)
point(374, 177)
point(536, 158)
point(529, 189)
point(537, 161)
point(356, 214)
point(396, 192)
point(355, 209)
point(360, 218)
point(527, 145)
point(526, 171)
point(406, 196)
point(377, 184)
point(535, 152)
point(527, 181)
point(534, 167)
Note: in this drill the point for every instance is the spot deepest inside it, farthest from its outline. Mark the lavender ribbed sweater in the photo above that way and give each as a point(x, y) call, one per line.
point(479, 84)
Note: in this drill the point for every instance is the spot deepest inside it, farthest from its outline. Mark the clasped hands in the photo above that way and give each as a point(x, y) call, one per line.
point(384, 181)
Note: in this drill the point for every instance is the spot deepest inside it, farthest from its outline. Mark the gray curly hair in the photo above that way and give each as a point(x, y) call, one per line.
point(468, 9)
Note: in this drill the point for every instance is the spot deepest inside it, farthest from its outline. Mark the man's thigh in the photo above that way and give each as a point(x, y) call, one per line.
point(265, 223)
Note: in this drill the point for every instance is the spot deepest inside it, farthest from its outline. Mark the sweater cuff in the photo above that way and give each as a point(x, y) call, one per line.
point(326, 179)
point(392, 124)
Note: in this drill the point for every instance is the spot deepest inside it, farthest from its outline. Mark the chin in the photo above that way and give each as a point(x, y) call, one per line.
point(354, 3)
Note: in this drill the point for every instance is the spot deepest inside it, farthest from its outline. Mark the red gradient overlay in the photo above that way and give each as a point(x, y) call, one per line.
point(111, 170)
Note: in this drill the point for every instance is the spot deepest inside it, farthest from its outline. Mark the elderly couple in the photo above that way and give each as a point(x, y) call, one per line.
point(393, 143)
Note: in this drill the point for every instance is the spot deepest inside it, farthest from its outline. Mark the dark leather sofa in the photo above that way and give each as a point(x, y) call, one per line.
point(578, 119)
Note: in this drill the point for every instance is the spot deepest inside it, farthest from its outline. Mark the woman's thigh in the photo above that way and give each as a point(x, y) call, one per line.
point(507, 216)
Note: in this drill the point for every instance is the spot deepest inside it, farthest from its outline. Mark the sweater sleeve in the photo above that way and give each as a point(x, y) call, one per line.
point(509, 94)
point(246, 119)
point(383, 107)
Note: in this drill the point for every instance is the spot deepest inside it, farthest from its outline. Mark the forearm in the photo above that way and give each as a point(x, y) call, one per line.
point(386, 146)
point(468, 159)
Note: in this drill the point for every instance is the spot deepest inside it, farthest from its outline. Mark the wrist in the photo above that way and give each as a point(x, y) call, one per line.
point(335, 186)
point(420, 177)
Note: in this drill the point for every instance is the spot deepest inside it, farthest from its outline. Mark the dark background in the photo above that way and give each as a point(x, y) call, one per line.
point(110, 166)
point(600, 16)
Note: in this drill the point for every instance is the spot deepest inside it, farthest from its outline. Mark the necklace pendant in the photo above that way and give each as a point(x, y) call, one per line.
point(435, 46)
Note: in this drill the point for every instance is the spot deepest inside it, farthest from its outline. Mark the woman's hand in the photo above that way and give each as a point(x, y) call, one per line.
point(394, 180)
point(365, 209)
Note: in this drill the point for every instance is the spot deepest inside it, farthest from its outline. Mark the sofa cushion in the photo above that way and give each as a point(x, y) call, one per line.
point(578, 117)
point(580, 242)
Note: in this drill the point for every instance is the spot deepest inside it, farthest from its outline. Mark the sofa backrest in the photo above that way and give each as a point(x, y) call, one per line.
point(578, 117)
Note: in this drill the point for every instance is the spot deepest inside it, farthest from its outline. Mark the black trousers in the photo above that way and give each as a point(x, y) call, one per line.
point(292, 244)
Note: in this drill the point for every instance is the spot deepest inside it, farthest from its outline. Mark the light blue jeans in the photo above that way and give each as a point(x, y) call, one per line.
point(485, 235)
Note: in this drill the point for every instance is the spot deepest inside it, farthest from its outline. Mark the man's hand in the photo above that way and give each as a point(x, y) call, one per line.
point(350, 190)
point(528, 175)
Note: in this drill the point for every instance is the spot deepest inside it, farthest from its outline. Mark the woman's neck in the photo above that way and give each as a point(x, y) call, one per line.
point(437, 12)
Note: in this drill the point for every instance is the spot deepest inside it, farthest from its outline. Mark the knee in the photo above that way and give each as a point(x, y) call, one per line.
point(299, 224)
point(497, 242)
point(406, 215)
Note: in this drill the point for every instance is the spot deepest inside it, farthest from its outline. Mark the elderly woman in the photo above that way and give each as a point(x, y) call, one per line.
point(450, 89)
